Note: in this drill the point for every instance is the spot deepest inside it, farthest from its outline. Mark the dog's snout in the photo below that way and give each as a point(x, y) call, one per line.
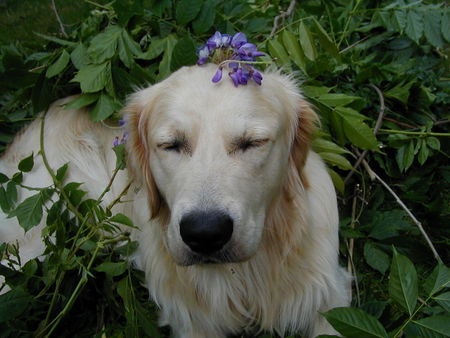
point(206, 232)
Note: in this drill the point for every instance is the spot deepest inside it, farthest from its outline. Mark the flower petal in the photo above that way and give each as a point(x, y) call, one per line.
point(257, 77)
point(238, 40)
point(235, 77)
point(218, 76)
point(215, 41)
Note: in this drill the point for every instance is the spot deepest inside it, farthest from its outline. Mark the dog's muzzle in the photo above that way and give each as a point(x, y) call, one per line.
point(206, 232)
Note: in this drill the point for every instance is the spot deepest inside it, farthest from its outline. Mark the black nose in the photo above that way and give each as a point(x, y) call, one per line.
point(206, 232)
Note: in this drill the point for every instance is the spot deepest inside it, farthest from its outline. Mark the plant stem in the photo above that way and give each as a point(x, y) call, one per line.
point(417, 133)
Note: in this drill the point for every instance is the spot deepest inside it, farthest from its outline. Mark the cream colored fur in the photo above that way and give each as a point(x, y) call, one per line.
point(281, 265)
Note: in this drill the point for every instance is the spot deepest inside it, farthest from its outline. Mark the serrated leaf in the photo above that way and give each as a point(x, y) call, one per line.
point(278, 52)
point(336, 160)
point(205, 19)
point(26, 164)
point(105, 107)
point(29, 212)
point(436, 326)
point(290, 41)
point(307, 42)
point(187, 10)
point(438, 279)
point(82, 100)
point(13, 303)
point(443, 300)
point(104, 45)
point(376, 258)
point(183, 54)
point(432, 27)
point(59, 65)
point(414, 25)
point(403, 282)
point(112, 269)
point(355, 323)
point(122, 219)
point(93, 78)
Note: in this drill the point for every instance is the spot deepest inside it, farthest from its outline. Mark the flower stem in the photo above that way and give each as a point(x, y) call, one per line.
point(417, 133)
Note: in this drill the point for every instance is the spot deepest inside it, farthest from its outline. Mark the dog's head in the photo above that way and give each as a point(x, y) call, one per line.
point(213, 158)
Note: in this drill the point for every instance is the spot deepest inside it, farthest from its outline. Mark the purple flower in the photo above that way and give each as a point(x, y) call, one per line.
point(116, 141)
point(226, 40)
point(218, 76)
point(238, 40)
point(214, 41)
point(203, 54)
point(249, 50)
point(121, 123)
point(257, 77)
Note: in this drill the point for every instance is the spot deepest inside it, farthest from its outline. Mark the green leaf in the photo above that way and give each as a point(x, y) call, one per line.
point(355, 323)
point(79, 56)
point(433, 143)
point(325, 41)
point(120, 152)
point(11, 193)
point(122, 219)
point(29, 212)
point(128, 49)
point(307, 42)
point(206, 18)
point(424, 152)
point(56, 40)
point(387, 224)
point(4, 201)
point(112, 269)
point(400, 92)
point(438, 279)
point(278, 52)
point(105, 107)
point(59, 65)
point(183, 54)
point(81, 101)
point(336, 160)
point(399, 17)
point(154, 50)
point(335, 100)
point(405, 156)
point(374, 308)
point(13, 303)
point(432, 27)
point(436, 326)
point(3, 178)
point(445, 25)
point(337, 180)
point(356, 130)
point(61, 172)
point(290, 41)
point(94, 78)
point(443, 300)
point(376, 258)
point(187, 10)
point(26, 164)
point(104, 45)
point(164, 66)
point(403, 282)
point(322, 145)
point(414, 25)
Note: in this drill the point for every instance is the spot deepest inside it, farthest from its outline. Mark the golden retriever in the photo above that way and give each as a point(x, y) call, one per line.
point(237, 217)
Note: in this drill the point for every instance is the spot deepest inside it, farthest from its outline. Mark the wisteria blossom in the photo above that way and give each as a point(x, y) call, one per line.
point(233, 52)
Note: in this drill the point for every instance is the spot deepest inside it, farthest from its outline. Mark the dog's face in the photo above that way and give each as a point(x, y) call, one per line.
point(215, 156)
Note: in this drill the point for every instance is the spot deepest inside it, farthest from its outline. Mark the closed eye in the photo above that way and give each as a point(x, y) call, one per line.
point(176, 145)
point(244, 144)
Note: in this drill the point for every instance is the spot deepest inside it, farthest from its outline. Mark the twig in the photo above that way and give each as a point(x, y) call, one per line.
point(61, 26)
point(354, 44)
point(415, 133)
point(282, 16)
point(373, 175)
point(403, 124)
point(375, 131)
point(350, 246)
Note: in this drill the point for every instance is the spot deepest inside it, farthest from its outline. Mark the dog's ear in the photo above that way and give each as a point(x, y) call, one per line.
point(306, 124)
point(137, 116)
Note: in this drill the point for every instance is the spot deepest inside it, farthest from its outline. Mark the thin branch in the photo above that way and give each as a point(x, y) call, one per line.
point(375, 131)
point(282, 16)
point(355, 44)
point(403, 124)
point(373, 175)
point(61, 25)
point(350, 246)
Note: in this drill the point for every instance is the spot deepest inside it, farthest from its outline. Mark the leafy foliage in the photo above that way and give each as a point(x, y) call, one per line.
point(343, 52)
